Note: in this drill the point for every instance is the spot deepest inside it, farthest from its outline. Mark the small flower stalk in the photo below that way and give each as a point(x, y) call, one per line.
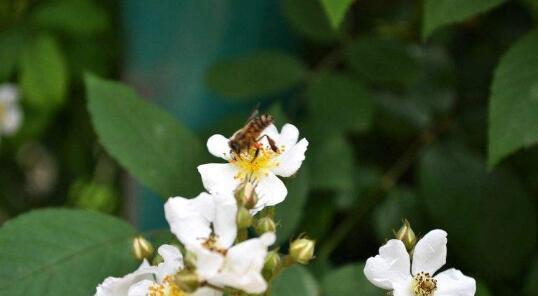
point(218, 253)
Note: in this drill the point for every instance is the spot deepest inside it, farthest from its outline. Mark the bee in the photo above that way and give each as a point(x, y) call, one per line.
point(249, 135)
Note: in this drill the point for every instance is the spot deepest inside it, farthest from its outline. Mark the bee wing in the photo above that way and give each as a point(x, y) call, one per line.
point(253, 115)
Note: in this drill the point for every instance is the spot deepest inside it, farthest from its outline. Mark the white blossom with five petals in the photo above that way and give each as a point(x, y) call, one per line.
point(393, 270)
point(264, 166)
point(10, 113)
point(206, 225)
point(150, 280)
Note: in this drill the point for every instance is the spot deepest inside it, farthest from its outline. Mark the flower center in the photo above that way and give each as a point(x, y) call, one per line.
point(167, 288)
point(211, 245)
point(424, 284)
point(257, 161)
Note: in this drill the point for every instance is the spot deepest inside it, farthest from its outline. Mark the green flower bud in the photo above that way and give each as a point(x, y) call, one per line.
point(244, 218)
point(187, 280)
point(246, 195)
point(302, 250)
point(190, 260)
point(264, 225)
point(407, 235)
point(272, 264)
point(142, 248)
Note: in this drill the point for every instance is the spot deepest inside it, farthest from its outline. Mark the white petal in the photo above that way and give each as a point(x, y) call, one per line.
point(172, 261)
point(113, 286)
point(272, 132)
point(291, 159)
point(9, 93)
point(289, 135)
point(208, 263)
point(11, 120)
point(271, 191)
point(140, 288)
point(190, 219)
point(403, 288)
point(243, 265)
point(218, 146)
point(430, 252)
point(390, 268)
point(204, 291)
point(219, 177)
point(225, 225)
point(454, 283)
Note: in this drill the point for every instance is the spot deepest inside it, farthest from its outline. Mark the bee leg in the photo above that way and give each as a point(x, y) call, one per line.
point(272, 143)
point(256, 154)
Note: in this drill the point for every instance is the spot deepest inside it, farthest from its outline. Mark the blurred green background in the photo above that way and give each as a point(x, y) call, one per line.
point(394, 96)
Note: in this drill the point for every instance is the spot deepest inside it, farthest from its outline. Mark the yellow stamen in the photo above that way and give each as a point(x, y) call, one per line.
point(424, 284)
point(167, 288)
point(257, 162)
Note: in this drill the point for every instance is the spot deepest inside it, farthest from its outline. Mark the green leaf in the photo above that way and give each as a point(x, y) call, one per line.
point(71, 16)
point(290, 212)
point(11, 44)
point(531, 284)
point(307, 18)
point(340, 100)
point(513, 123)
point(438, 13)
point(259, 74)
point(295, 281)
point(349, 280)
point(62, 252)
point(151, 144)
point(330, 160)
point(43, 74)
point(336, 10)
point(490, 220)
point(383, 61)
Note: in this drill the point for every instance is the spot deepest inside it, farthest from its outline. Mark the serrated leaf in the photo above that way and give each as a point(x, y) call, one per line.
point(438, 13)
point(295, 281)
point(260, 74)
point(71, 16)
point(307, 18)
point(462, 198)
point(349, 280)
point(513, 109)
point(148, 142)
point(383, 61)
point(340, 100)
point(43, 74)
point(336, 10)
point(62, 252)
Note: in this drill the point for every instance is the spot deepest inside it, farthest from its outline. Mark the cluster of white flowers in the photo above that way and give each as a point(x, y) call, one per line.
point(216, 255)
point(394, 270)
point(10, 112)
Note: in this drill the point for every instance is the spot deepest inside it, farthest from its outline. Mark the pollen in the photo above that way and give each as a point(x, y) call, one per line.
point(424, 284)
point(167, 288)
point(211, 245)
point(255, 162)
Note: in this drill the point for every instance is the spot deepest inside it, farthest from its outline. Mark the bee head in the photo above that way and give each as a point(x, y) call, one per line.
point(235, 146)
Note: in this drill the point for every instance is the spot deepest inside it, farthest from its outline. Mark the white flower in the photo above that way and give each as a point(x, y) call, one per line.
point(264, 166)
point(10, 113)
point(206, 225)
point(392, 269)
point(150, 280)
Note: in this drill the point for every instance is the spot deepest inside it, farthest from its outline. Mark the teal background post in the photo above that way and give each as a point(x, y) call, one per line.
point(169, 46)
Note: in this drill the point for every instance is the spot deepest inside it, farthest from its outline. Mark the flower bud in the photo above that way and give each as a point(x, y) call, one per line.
point(187, 280)
point(407, 235)
point(302, 250)
point(142, 248)
point(246, 195)
point(272, 264)
point(190, 260)
point(265, 224)
point(244, 218)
